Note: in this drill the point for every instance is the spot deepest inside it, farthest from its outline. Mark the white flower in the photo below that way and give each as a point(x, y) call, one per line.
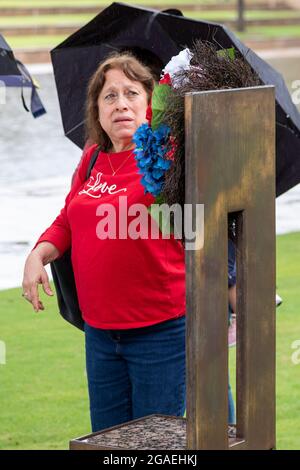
point(177, 63)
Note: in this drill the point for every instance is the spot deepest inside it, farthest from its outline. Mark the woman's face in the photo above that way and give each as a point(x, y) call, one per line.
point(122, 105)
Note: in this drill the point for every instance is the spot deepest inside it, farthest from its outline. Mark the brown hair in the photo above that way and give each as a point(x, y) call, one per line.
point(134, 70)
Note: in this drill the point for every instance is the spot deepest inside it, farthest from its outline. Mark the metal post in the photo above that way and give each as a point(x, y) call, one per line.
point(230, 167)
point(241, 15)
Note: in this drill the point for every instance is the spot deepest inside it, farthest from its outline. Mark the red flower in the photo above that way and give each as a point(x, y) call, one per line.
point(166, 80)
point(149, 112)
point(170, 154)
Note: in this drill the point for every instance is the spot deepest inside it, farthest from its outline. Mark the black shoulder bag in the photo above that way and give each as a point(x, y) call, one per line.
point(63, 278)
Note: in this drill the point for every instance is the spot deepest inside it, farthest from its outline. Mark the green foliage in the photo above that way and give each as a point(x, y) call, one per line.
point(160, 96)
point(227, 53)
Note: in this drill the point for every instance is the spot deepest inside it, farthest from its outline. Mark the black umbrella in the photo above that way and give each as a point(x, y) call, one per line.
point(14, 74)
point(155, 37)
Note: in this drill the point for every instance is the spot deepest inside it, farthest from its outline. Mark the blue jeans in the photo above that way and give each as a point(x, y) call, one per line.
point(135, 373)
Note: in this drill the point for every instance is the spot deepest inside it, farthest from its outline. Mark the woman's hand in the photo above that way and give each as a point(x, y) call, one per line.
point(35, 273)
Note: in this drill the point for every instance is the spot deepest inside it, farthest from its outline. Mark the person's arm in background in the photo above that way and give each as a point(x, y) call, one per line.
point(52, 243)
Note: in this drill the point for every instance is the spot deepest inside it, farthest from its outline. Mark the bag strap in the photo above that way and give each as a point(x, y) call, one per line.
point(92, 161)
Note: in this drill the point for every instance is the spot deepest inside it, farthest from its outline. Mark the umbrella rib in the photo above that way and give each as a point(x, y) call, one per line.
point(75, 127)
point(288, 127)
point(150, 23)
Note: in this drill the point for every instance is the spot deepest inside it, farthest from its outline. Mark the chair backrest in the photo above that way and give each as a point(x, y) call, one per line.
point(230, 167)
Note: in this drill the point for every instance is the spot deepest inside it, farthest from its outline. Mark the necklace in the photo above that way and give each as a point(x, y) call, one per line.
point(115, 171)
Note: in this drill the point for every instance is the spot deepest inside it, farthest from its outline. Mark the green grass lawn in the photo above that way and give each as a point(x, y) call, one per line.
point(270, 32)
point(43, 386)
point(249, 15)
point(75, 18)
point(252, 33)
point(34, 42)
point(257, 33)
point(53, 20)
point(66, 3)
point(288, 330)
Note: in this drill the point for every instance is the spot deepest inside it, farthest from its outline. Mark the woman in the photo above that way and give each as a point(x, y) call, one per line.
point(131, 291)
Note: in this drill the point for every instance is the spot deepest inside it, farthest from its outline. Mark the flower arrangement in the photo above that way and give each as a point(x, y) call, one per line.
point(160, 142)
point(155, 146)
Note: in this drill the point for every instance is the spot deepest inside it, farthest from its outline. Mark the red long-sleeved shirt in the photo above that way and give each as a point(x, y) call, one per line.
point(121, 283)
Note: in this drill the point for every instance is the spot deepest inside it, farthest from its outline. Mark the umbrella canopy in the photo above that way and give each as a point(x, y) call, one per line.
point(155, 37)
point(14, 74)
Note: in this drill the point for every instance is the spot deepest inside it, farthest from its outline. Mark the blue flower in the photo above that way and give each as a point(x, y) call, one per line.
point(151, 148)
